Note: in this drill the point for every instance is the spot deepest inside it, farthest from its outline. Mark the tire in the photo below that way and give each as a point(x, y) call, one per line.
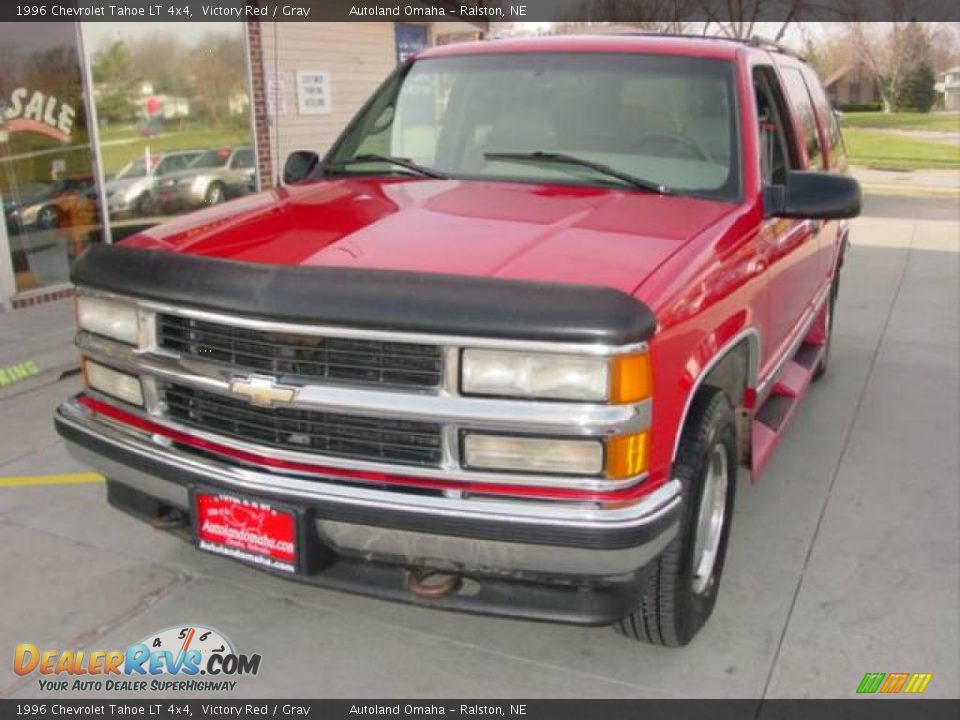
point(675, 598)
point(146, 205)
point(216, 194)
point(48, 217)
point(823, 363)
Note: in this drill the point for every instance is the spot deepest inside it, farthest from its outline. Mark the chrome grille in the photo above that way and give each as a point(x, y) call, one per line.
point(348, 436)
point(303, 356)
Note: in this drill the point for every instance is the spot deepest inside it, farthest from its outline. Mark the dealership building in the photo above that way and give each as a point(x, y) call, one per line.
point(99, 120)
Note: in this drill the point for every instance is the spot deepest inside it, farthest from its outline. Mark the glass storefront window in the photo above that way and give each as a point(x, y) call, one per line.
point(47, 166)
point(173, 112)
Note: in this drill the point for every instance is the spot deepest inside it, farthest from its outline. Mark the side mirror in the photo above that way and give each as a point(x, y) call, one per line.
point(811, 195)
point(299, 166)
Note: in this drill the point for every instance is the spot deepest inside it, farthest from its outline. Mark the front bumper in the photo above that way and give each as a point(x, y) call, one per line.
point(541, 560)
point(181, 196)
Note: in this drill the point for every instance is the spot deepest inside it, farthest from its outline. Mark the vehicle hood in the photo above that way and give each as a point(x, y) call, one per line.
point(188, 174)
point(512, 230)
point(27, 200)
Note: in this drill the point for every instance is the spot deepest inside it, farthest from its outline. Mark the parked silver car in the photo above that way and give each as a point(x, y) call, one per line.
point(214, 176)
point(133, 189)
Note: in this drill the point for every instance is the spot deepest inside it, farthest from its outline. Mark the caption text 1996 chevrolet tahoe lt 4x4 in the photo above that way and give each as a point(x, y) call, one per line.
point(503, 349)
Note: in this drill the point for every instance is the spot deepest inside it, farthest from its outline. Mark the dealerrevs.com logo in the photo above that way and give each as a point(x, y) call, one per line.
point(893, 683)
point(182, 658)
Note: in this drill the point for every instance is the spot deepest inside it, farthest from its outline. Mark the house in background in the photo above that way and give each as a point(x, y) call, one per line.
point(949, 89)
point(853, 84)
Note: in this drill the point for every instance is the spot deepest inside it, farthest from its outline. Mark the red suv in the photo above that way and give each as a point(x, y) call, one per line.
point(503, 349)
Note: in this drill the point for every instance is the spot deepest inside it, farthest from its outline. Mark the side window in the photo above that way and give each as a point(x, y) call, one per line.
point(803, 107)
point(775, 156)
point(242, 159)
point(171, 164)
point(828, 118)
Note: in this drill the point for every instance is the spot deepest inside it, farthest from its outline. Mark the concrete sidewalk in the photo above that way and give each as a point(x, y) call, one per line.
point(844, 560)
point(36, 346)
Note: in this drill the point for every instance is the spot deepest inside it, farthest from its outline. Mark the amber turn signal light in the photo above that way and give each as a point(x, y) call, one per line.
point(630, 378)
point(627, 455)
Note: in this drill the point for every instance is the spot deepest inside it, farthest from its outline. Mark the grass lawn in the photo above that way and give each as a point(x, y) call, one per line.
point(887, 150)
point(114, 132)
point(940, 122)
point(118, 155)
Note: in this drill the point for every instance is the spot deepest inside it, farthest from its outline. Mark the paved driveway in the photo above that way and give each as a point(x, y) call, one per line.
point(844, 560)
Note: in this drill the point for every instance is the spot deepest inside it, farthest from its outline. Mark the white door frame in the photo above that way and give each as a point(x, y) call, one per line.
point(8, 282)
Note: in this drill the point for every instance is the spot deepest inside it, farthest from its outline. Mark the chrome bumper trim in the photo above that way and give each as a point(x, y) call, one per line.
point(548, 417)
point(660, 503)
point(459, 554)
point(449, 469)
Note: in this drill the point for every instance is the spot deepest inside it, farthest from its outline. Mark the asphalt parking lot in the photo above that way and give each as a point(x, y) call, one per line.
point(844, 560)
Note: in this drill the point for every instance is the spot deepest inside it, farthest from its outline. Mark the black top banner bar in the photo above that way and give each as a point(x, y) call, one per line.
point(161, 709)
point(480, 12)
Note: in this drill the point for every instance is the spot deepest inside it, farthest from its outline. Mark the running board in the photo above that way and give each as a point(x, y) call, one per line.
point(773, 417)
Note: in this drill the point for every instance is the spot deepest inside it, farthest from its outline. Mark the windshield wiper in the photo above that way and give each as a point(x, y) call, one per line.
point(401, 162)
point(564, 159)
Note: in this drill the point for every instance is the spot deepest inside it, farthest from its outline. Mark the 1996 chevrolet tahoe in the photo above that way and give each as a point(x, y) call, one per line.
point(503, 349)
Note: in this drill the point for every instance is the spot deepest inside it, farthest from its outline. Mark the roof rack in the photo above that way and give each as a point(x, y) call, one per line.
point(753, 41)
point(767, 44)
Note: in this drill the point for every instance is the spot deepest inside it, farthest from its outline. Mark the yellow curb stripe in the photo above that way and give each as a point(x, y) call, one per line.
point(66, 479)
point(895, 189)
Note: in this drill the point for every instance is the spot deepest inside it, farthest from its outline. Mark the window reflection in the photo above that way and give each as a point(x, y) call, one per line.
point(174, 118)
point(46, 161)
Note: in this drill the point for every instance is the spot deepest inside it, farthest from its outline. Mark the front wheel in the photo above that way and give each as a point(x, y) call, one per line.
point(828, 320)
point(678, 590)
point(146, 205)
point(216, 194)
point(48, 217)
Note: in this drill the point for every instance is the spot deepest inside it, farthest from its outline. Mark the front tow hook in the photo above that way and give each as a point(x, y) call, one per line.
point(429, 584)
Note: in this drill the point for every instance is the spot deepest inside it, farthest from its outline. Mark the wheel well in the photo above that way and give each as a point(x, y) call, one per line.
point(732, 374)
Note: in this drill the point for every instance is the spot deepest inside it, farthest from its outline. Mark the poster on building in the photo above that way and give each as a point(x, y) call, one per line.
point(313, 92)
point(409, 39)
point(276, 94)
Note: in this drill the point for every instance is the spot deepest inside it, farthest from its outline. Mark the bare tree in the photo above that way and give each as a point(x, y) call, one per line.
point(944, 46)
point(829, 54)
point(890, 51)
point(216, 74)
point(739, 18)
point(160, 58)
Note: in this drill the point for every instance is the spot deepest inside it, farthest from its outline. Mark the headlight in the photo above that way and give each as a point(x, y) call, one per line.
point(550, 376)
point(111, 382)
point(616, 458)
point(113, 319)
point(534, 455)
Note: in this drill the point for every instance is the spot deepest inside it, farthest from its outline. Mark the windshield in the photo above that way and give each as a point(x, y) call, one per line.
point(666, 120)
point(135, 169)
point(211, 159)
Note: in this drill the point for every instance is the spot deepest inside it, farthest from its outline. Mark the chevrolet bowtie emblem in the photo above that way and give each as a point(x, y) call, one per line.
point(263, 392)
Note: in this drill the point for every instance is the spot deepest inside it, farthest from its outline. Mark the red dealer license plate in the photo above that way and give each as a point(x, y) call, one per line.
point(247, 530)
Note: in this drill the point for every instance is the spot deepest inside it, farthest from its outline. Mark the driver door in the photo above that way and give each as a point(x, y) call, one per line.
point(791, 245)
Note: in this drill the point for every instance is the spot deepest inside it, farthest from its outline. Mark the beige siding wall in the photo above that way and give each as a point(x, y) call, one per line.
point(358, 57)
